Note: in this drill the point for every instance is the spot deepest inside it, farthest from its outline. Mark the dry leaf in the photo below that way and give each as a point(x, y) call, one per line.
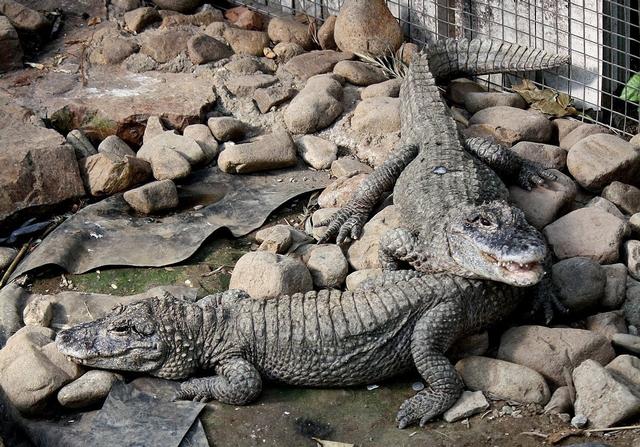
point(325, 443)
point(269, 53)
point(94, 21)
point(545, 100)
point(35, 65)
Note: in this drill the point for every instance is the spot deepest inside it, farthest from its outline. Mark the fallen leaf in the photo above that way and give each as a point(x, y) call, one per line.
point(269, 53)
point(94, 21)
point(325, 443)
point(546, 100)
point(35, 65)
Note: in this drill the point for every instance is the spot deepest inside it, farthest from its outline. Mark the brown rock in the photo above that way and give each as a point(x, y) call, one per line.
point(338, 193)
point(272, 151)
point(203, 49)
point(314, 63)
point(89, 389)
point(377, 115)
point(106, 174)
point(187, 147)
point(23, 18)
point(407, 51)
point(273, 96)
point(10, 48)
point(604, 204)
point(363, 253)
point(316, 107)
point(476, 101)
point(202, 18)
point(245, 41)
point(607, 324)
point(246, 85)
point(201, 134)
point(114, 145)
point(581, 132)
point(165, 44)
point(547, 155)
point(178, 5)
point(348, 167)
point(285, 29)
point(325, 34)
point(390, 88)
point(226, 128)
point(627, 197)
point(245, 18)
point(563, 127)
point(525, 125)
point(458, 89)
point(285, 51)
point(112, 48)
point(632, 257)
point(153, 197)
point(359, 73)
point(140, 18)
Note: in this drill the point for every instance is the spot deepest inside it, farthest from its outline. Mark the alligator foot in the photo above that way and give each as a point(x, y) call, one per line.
point(533, 174)
point(195, 389)
point(420, 409)
point(546, 300)
point(345, 224)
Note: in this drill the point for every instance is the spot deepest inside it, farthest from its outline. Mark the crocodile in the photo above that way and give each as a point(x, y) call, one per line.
point(326, 338)
point(452, 201)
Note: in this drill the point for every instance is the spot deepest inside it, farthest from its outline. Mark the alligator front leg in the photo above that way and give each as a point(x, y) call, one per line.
point(432, 336)
point(525, 173)
point(237, 383)
point(348, 222)
point(398, 246)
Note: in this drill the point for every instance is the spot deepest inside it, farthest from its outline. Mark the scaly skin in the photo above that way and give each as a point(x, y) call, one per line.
point(318, 339)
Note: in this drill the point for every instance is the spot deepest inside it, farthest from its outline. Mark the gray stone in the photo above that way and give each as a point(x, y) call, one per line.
point(89, 389)
point(308, 65)
point(317, 152)
point(547, 155)
point(631, 306)
point(348, 167)
point(600, 159)
point(328, 266)
point(560, 401)
point(600, 397)
point(320, 216)
point(604, 204)
point(626, 368)
point(458, 89)
point(153, 197)
point(246, 85)
point(316, 107)
point(153, 128)
point(543, 203)
point(186, 147)
point(23, 18)
point(377, 116)
point(281, 239)
point(116, 146)
point(616, 286)
point(580, 283)
point(579, 133)
point(126, 5)
point(503, 380)
point(627, 197)
point(359, 73)
point(138, 19)
point(267, 98)
point(607, 324)
point(106, 174)
point(243, 64)
point(627, 341)
point(201, 134)
point(632, 257)
point(476, 101)
point(325, 34)
point(511, 125)
point(356, 279)
point(203, 49)
point(242, 41)
point(166, 163)
point(7, 255)
point(634, 223)
point(38, 312)
point(563, 127)
point(363, 253)
point(587, 232)
point(390, 89)
point(267, 152)
point(267, 275)
point(579, 421)
point(338, 193)
point(285, 51)
point(81, 144)
point(286, 29)
point(467, 405)
point(10, 47)
point(225, 128)
point(550, 350)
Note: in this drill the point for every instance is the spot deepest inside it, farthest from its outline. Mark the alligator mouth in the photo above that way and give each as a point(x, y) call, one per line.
point(525, 271)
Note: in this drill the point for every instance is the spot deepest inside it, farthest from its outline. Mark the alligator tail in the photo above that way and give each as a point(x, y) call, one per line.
point(455, 57)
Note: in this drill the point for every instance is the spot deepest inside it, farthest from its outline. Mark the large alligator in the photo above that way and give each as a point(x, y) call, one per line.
point(472, 245)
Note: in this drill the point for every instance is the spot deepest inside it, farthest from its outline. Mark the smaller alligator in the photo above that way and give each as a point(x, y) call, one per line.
point(318, 339)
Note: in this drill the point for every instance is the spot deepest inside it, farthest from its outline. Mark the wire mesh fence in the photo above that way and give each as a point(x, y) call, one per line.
point(601, 36)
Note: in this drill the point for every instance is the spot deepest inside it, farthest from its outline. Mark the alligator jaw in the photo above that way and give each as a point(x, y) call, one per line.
point(519, 273)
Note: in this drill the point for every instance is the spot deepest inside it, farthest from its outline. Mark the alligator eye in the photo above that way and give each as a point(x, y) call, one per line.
point(485, 222)
point(120, 329)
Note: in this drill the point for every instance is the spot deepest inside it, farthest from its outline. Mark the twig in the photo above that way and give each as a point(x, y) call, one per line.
point(535, 433)
point(14, 263)
point(604, 430)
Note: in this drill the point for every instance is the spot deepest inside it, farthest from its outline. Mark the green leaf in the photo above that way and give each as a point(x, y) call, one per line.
point(631, 91)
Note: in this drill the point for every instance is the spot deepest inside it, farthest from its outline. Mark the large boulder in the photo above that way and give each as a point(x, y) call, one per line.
point(307, 65)
point(377, 115)
point(363, 253)
point(106, 174)
point(10, 48)
point(271, 151)
point(287, 29)
point(511, 125)
point(580, 283)
point(164, 44)
point(317, 106)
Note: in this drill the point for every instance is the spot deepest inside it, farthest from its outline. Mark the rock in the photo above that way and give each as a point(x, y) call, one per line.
point(338, 193)
point(164, 44)
point(81, 144)
point(186, 147)
point(367, 27)
point(38, 313)
point(588, 232)
point(600, 397)
point(285, 51)
point(280, 239)
point(202, 18)
point(390, 88)
point(634, 223)
point(308, 65)
point(632, 257)
point(563, 127)
point(626, 368)
point(560, 401)
point(273, 151)
point(348, 167)
point(153, 197)
point(363, 253)
point(201, 134)
point(328, 266)
point(468, 346)
point(522, 125)
point(23, 18)
point(476, 101)
point(244, 41)
point(244, 18)
point(267, 275)
point(112, 47)
point(468, 404)
point(579, 421)
point(126, 5)
point(543, 203)
point(10, 48)
point(377, 116)
point(273, 96)
point(600, 159)
point(325, 34)
point(550, 350)
point(607, 324)
point(243, 64)
point(140, 18)
point(616, 286)
point(580, 283)
point(631, 306)
point(581, 132)
point(166, 163)
point(153, 128)
point(246, 85)
point(178, 5)
point(317, 152)
point(115, 146)
point(285, 29)
point(627, 341)
point(39, 169)
point(106, 174)
point(627, 197)
point(356, 279)
point(547, 155)
point(316, 107)
point(503, 380)
point(225, 128)
point(90, 389)
point(458, 89)
point(359, 73)
point(320, 216)
point(7, 255)
point(203, 49)
point(605, 205)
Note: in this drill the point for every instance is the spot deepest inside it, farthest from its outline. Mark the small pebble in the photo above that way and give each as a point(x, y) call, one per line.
point(579, 421)
point(372, 387)
point(417, 386)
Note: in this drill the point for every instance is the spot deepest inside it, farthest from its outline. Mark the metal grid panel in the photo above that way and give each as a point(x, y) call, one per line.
point(602, 37)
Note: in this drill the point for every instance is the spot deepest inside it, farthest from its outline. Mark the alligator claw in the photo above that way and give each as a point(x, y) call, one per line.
point(343, 225)
point(417, 409)
point(547, 301)
point(533, 174)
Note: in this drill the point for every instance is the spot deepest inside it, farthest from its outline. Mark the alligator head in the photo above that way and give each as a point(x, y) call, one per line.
point(494, 241)
point(155, 336)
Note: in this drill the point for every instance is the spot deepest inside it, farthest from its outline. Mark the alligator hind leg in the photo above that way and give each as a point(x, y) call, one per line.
point(432, 336)
point(400, 246)
point(348, 222)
